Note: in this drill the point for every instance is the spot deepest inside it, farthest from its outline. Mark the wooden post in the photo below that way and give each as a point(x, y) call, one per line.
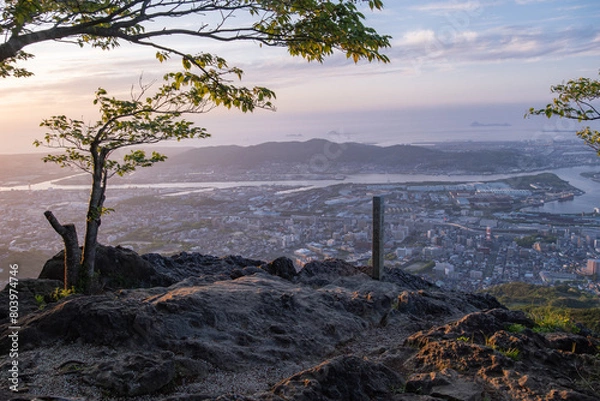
point(377, 248)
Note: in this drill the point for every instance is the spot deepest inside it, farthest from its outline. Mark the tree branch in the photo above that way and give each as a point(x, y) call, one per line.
point(59, 228)
point(593, 109)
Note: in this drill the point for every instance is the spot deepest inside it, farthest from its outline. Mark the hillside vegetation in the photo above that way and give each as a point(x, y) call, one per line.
point(543, 180)
point(579, 306)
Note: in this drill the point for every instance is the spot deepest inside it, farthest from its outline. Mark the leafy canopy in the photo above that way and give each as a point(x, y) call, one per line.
point(578, 99)
point(311, 29)
point(147, 119)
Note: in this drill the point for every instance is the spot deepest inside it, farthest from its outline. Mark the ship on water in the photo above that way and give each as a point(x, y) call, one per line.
point(567, 196)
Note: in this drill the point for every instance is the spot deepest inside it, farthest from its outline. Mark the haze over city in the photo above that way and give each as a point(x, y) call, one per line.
point(452, 63)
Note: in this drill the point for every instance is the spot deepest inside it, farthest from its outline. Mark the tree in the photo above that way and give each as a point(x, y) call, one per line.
point(311, 29)
point(577, 100)
point(143, 119)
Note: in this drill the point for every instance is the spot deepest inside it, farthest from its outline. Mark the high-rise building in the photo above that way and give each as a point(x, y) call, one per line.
point(592, 267)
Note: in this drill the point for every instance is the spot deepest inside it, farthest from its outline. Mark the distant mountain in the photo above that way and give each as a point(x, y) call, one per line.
point(294, 157)
point(303, 152)
point(28, 169)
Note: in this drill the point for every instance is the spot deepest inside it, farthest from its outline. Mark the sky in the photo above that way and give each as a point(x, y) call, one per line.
point(451, 63)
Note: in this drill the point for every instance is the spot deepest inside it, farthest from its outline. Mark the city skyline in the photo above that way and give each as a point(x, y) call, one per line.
point(452, 63)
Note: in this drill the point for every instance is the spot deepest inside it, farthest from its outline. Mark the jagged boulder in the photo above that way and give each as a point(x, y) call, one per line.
point(120, 268)
point(406, 280)
point(257, 318)
point(282, 267)
point(117, 267)
point(232, 323)
point(209, 268)
point(133, 374)
point(509, 359)
point(348, 378)
point(32, 295)
point(321, 273)
point(23, 397)
point(446, 384)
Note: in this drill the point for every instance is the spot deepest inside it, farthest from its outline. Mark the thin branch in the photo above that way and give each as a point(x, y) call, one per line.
point(592, 108)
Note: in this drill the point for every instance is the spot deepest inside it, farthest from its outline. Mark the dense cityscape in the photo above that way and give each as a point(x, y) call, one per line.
point(459, 235)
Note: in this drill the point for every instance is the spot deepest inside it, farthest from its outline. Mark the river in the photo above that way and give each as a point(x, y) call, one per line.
point(581, 204)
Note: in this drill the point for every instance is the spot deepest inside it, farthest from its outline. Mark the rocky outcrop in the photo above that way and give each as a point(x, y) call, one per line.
point(497, 353)
point(133, 374)
point(32, 295)
point(117, 268)
point(120, 268)
point(238, 329)
point(208, 268)
point(343, 378)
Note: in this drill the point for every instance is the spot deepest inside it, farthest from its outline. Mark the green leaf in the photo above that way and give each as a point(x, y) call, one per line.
point(578, 99)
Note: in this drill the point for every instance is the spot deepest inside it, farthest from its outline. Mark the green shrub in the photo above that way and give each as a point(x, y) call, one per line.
point(551, 319)
point(60, 293)
point(579, 306)
point(512, 353)
point(41, 301)
point(516, 328)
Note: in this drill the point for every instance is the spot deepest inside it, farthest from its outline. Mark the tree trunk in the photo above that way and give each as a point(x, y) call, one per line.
point(89, 247)
point(72, 251)
point(96, 203)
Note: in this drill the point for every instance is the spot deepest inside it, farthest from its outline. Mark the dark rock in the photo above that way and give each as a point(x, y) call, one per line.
point(573, 343)
point(224, 316)
point(346, 378)
point(282, 267)
point(101, 319)
point(210, 268)
point(569, 395)
point(236, 273)
point(133, 374)
point(117, 267)
point(28, 290)
point(481, 301)
point(477, 326)
point(519, 364)
point(447, 385)
point(41, 398)
point(121, 268)
point(189, 397)
point(203, 321)
point(319, 274)
point(238, 397)
point(406, 280)
point(423, 304)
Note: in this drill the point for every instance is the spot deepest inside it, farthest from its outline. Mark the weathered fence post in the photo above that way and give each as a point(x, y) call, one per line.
point(377, 248)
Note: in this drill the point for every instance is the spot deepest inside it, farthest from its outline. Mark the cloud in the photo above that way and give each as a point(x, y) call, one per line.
point(497, 44)
point(442, 7)
point(525, 2)
point(429, 37)
point(418, 37)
